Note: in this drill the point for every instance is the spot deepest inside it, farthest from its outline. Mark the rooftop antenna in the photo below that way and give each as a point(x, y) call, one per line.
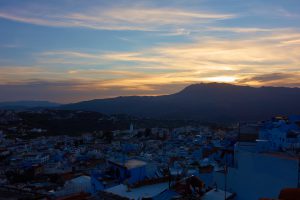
point(239, 131)
point(298, 171)
point(225, 171)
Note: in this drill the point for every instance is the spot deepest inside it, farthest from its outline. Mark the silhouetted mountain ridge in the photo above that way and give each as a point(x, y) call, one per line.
point(208, 102)
point(21, 105)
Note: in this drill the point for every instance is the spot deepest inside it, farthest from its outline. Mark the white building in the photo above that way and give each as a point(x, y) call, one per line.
point(282, 134)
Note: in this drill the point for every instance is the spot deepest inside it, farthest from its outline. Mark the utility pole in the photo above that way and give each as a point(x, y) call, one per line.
point(298, 184)
point(239, 131)
point(225, 173)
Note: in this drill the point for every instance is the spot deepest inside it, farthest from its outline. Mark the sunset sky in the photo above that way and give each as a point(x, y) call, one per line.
point(73, 50)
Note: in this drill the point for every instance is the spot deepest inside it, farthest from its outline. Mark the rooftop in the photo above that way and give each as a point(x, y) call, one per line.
point(216, 195)
point(130, 164)
point(282, 155)
point(137, 193)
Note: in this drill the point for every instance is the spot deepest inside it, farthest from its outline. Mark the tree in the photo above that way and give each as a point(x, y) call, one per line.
point(109, 136)
point(148, 132)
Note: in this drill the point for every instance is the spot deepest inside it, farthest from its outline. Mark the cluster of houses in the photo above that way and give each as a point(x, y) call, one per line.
point(249, 162)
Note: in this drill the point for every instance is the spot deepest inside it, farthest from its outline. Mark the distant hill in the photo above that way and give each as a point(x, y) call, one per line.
point(212, 102)
point(21, 105)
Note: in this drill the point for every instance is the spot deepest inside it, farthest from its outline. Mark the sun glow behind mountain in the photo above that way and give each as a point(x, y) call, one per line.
point(222, 79)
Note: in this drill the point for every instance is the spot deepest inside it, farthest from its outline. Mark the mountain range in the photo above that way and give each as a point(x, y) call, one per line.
point(208, 102)
point(23, 105)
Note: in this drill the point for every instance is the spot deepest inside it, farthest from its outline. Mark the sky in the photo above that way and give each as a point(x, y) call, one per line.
point(73, 50)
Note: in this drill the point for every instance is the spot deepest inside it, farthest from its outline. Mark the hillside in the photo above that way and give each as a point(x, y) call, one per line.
point(207, 102)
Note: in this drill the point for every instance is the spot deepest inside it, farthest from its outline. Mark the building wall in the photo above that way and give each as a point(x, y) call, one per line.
point(96, 184)
point(133, 175)
point(259, 175)
point(137, 174)
point(76, 185)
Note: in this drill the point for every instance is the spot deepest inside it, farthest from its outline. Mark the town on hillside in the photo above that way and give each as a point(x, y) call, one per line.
point(128, 160)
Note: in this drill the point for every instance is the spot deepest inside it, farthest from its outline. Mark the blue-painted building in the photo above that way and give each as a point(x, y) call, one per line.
point(280, 133)
point(132, 171)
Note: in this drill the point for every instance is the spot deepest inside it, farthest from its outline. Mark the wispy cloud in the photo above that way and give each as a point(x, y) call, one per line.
point(208, 59)
point(240, 29)
point(274, 11)
point(11, 46)
point(272, 49)
point(273, 79)
point(21, 74)
point(130, 17)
